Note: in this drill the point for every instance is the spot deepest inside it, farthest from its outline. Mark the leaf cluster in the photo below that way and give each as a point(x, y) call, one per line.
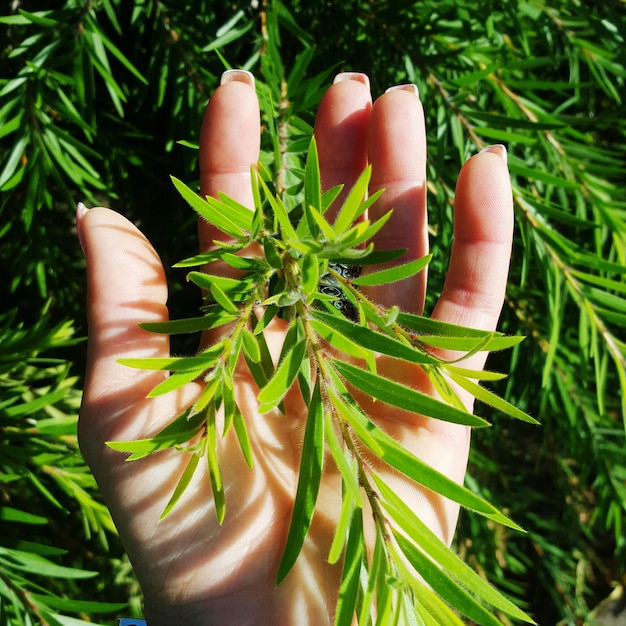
point(324, 358)
point(42, 478)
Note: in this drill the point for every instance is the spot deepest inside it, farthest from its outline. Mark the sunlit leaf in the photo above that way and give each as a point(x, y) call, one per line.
point(182, 484)
point(285, 374)
point(393, 274)
point(375, 341)
point(309, 478)
point(351, 209)
point(213, 319)
point(404, 397)
point(349, 586)
point(429, 543)
point(208, 211)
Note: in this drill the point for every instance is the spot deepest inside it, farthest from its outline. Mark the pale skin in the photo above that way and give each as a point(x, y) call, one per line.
point(192, 570)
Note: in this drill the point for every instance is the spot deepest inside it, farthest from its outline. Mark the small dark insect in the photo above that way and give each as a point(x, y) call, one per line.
point(329, 286)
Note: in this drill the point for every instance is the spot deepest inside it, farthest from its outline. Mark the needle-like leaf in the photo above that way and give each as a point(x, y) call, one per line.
point(393, 274)
point(275, 390)
point(309, 478)
point(404, 397)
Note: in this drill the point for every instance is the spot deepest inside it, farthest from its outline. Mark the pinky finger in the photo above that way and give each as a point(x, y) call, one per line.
point(474, 288)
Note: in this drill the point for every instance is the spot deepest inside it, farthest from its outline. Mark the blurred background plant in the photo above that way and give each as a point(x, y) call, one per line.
point(100, 101)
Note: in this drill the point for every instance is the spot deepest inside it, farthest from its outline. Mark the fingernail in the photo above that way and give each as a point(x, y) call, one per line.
point(81, 210)
point(356, 76)
point(241, 76)
point(497, 148)
point(410, 87)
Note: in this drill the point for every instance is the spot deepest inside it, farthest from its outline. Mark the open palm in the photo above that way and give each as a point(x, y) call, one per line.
point(191, 569)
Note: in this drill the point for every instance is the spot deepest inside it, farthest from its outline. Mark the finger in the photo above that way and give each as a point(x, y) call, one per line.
point(229, 144)
point(397, 152)
point(474, 288)
point(341, 132)
point(125, 285)
point(473, 295)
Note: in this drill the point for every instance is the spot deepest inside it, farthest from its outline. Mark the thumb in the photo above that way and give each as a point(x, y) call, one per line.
point(125, 285)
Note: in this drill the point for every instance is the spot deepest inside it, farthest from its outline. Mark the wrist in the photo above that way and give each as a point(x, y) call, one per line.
point(280, 606)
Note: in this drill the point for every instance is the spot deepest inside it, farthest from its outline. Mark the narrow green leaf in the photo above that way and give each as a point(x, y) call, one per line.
point(255, 174)
point(338, 341)
point(268, 315)
point(28, 562)
point(312, 185)
point(222, 299)
point(175, 381)
point(350, 208)
point(341, 532)
point(208, 211)
point(9, 514)
point(140, 448)
point(213, 462)
point(229, 403)
point(398, 457)
point(600, 281)
point(285, 374)
point(502, 121)
point(185, 143)
point(492, 399)
point(350, 575)
point(272, 256)
point(354, 235)
point(241, 431)
point(309, 267)
point(534, 173)
point(471, 344)
point(236, 212)
point(440, 553)
point(393, 274)
point(375, 341)
point(116, 52)
point(377, 567)
point(246, 264)
point(206, 281)
point(357, 238)
point(213, 319)
point(404, 397)
point(326, 229)
point(445, 586)
point(504, 136)
point(174, 364)
point(351, 413)
point(309, 479)
point(50, 601)
point(280, 212)
point(183, 428)
point(183, 483)
point(349, 255)
point(475, 374)
point(344, 462)
point(431, 608)
point(250, 345)
point(329, 196)
point(211, 390)
point(292, 336)
point(474, 77)
point(306, 246)
point(428, 326)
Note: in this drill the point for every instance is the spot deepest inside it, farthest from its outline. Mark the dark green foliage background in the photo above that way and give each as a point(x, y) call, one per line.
point(94, 96)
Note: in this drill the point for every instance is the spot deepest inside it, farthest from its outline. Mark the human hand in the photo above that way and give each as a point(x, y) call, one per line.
point(191, 569)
